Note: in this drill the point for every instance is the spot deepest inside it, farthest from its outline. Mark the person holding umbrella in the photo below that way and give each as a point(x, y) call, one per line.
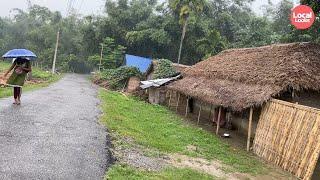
point(21, 66)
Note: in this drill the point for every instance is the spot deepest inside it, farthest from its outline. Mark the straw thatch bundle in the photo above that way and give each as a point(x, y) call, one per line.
point(240, 78)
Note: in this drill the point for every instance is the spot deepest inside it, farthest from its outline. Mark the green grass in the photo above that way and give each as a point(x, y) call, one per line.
point(4, 66)
point(158, 128)
point(123, 172)
point(46, 77)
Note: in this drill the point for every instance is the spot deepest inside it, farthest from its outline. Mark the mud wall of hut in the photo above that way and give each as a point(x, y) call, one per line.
point(157, 95)
point(239, 120)
point(133, 84)
point(181, 105)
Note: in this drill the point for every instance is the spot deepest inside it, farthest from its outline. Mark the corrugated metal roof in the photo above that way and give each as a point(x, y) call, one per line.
point(142, 63)
point(157, 82)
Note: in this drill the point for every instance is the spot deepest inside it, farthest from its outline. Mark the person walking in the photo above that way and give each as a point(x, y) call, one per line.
point(21, 67)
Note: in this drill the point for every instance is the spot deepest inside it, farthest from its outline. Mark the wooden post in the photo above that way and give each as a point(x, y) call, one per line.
point(218, 122)
point(170, 99)
point(199, 114)
point(187, 107)
point(178, 102)
point(249, 129)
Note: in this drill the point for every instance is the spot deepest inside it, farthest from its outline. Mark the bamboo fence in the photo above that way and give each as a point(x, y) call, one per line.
point(288, 135)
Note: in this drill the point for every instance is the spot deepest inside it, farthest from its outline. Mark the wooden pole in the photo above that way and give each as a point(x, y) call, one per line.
point(199, 114)
point(170, 99)
point(218, 123)
point(187, 107)
point(55, 53)
point(178, 102)
point(101, 55)
point(249, 129)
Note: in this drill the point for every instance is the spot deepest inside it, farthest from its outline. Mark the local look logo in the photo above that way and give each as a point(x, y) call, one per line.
point(302, 17)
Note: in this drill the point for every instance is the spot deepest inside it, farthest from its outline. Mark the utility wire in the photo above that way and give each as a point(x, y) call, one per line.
point(72, 2)
point(67, 9)
point(80, 7)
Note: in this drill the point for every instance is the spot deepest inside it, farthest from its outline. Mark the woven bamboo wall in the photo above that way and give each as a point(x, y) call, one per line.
point(288, 135)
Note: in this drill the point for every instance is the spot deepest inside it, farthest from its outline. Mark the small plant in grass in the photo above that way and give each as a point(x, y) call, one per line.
point(164, 69)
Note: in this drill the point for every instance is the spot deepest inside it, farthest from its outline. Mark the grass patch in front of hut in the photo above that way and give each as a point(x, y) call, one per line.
point(156, 127)
point(126, 172)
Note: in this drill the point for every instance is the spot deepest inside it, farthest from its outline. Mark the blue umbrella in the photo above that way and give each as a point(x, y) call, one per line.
point(15, 53)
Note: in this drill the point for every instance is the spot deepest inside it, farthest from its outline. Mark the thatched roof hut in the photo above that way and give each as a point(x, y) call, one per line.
point(242, 78)
point(180, 67)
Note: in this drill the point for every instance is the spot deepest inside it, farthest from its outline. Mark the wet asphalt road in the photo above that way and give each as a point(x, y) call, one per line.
point(55, 134)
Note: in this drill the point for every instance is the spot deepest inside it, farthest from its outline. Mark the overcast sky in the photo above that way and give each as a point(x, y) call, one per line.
point(85, 7)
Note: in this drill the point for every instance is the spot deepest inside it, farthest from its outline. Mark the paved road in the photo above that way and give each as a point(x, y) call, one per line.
point(55, 134)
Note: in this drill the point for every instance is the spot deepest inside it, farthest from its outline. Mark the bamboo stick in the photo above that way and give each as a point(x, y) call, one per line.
point(169, 104)
point(218, 123)
point(297, 106)
point(187, 107)
point(199, 114)
point(178, 102)
point(249, 129)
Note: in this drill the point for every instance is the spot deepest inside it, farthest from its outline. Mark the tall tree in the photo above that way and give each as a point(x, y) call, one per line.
point(186, 9)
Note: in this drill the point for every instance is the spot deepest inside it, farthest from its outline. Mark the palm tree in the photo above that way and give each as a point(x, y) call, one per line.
point(185, 9)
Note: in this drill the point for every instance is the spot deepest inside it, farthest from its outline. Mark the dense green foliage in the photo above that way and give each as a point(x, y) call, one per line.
point(159, 128)
point(118, 78)
point(164, 69)
point(149, 28)
point(112, 55)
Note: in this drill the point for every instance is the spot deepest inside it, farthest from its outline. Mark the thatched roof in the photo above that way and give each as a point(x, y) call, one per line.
point(241, 78)
point(180, 67)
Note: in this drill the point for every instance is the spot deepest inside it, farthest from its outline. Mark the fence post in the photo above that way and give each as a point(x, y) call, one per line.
point(187, 106)
point(199, 114)
point(178, 102)
point(249, 129)
point(218, 123)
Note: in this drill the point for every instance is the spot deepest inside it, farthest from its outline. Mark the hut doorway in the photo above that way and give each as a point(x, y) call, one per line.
point(191, 105)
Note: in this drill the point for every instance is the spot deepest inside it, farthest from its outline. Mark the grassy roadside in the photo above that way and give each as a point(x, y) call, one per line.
point(42, 78)
point(125, 172)
point(158, 128)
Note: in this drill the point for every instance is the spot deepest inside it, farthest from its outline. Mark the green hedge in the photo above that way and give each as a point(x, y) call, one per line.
point(164, 69)
point(117, 78)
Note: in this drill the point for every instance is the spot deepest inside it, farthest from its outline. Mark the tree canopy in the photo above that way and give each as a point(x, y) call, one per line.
point(150, 29)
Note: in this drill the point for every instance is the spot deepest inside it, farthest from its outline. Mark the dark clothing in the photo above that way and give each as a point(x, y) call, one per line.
point(17, 92)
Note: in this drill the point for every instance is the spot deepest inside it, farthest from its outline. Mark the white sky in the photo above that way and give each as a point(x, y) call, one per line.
point(85, 7)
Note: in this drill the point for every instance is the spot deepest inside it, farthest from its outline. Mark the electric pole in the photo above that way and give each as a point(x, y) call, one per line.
point(29, 4)
point(101, 57)
point(55, 53)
